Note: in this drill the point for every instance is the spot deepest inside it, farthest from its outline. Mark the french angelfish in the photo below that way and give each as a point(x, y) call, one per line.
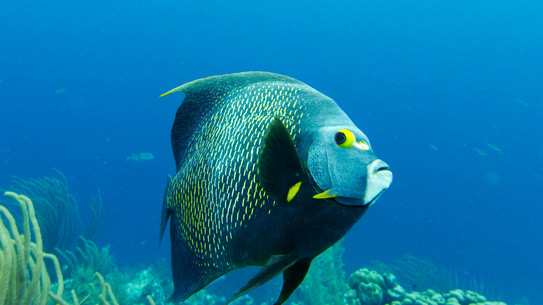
point(270, 172)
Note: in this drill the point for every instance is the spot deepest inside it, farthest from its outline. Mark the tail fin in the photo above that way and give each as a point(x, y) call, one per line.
point(166, 210)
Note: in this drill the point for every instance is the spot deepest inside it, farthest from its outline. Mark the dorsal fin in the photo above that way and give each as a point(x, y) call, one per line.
point(203, 96)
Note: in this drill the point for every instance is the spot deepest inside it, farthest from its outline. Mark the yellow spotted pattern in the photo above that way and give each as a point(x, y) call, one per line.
point(216, 193)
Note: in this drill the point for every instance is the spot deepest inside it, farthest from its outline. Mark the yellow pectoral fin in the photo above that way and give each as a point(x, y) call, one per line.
point(325, 195)
point(293, 190)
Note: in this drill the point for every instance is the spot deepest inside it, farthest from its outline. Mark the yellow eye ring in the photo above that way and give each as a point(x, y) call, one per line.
point(344, 138)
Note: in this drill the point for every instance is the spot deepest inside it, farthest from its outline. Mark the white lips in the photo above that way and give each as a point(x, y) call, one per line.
point(378, 179)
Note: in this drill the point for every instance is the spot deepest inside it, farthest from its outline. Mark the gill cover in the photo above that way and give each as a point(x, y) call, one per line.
point(345, 168)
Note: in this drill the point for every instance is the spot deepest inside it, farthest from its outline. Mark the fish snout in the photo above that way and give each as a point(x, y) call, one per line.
point(378, 179)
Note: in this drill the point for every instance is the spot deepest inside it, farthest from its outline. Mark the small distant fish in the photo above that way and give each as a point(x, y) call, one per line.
point(494, 147)
point(522, 102)
point(480, 152)
point(143, 156)
point(270, 172)
point(433, 147)
point(60, 91)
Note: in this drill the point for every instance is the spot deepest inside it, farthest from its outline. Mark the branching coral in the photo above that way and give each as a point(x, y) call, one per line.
point(58, 212)
point(97, 217)
point(105, 296)
point(24, 280)
point(56, 209)
point(88, 256)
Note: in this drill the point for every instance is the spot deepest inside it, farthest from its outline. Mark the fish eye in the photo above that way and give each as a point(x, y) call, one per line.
point(344, 138)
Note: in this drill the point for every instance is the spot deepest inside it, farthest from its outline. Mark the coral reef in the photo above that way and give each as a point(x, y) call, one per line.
point(150, 282)
point(96, 223)
point(418, 274)
point(57, 211)
point(104, 296)
point(24, 279)
point(145, 283)
point(371, 288)
point(87, 256)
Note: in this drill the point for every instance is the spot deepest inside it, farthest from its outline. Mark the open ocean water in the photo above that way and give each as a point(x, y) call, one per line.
point(449, 92)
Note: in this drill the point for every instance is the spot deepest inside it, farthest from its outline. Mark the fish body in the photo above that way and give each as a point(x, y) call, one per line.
point(270, 172)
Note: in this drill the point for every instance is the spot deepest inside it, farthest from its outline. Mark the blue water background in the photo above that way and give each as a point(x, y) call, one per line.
point(432, 83)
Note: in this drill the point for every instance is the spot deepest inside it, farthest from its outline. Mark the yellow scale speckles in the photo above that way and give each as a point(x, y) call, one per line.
point(219, 193)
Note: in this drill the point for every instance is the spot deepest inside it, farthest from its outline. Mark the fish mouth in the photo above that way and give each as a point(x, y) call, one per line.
point(357, 202)
point(382, 167)
point(378, 179)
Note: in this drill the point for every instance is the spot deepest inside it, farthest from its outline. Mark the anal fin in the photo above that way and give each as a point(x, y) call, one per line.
point(273, 267)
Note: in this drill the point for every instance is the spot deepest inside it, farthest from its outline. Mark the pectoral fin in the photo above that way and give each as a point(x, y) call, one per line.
point(325, 195)
point(279, 168)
